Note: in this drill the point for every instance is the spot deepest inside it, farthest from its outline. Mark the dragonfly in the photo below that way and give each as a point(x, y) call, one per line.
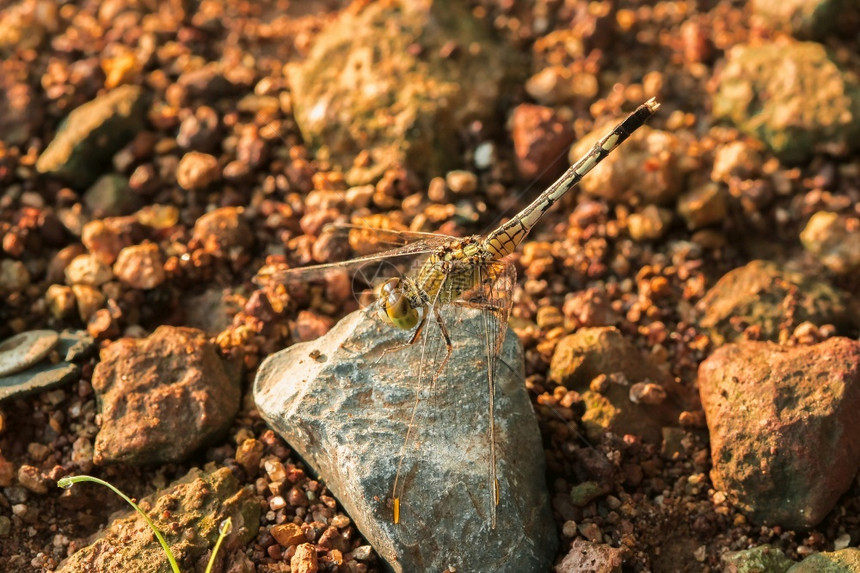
point(473, 271)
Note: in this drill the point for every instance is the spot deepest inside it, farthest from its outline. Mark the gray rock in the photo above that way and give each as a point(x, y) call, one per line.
point(26, 349)
point(41, 377)
point(91, 134)
point(796, 98)
point(344, 405)
point(73, 346)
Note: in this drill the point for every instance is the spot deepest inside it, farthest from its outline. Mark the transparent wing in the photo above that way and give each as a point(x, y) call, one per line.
point(493, 294)
point(282, 273)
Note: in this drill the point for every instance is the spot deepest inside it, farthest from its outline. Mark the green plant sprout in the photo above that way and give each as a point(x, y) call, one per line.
point(223, 530)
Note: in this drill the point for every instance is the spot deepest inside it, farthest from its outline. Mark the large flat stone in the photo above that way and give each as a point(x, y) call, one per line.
point(345, 407)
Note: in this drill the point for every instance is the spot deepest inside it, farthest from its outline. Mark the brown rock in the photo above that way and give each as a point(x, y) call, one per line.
point(834, 240)
point(587, 556)
point(288, 534)
point(620, 177)
point(88, 270)
point(197, 170)
point(162, 397)
point(759, 294)
point(540, 139)
point(305, 559)
point(785, 436)
point(221, 230)
point(140, 266)
point(604, 353)
point(197, 502)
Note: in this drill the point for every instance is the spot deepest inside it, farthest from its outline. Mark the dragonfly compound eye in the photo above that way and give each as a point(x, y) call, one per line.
point(396, 305)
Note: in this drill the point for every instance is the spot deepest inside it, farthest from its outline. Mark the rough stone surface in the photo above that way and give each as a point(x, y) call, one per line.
point(92, 134)
point(188, 513)
point(761, 559)
point(702, 206)
point(140, 266)
point(795, 97)
point(843, 561)
point(620, 176)
point(590, 353)
point(592, 557)
point(785, 436)
point(758, 296)
point(834, 240)
point(810, 19)
point(221, 230)
point(399, 80)
point(110, 196)
point(540, 139)
point(344, 405)
point(162, 397)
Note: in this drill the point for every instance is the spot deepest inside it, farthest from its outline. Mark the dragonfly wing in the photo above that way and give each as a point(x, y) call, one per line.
point(493, 294)
point(282, 273)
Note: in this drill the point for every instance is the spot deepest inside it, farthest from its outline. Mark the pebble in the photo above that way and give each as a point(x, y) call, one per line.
point(702, 206)
point(88, 270)
point(555, 85)
point(109, 196)
point(649, 224)
point(834, 240)
point(461, 182)
point(89, 300)
point(304, 560)
point(140, 266)
point(589, 556)
point(288, 534)
point(14, 276)
point(647, 393)
point(26, 349)
point(541, 138)
point(105, 238)
point(198, 131)
point(485, 155)
point(92, 133)
point(197, 170)
point(620, 177)
point(248, 455)
point(221, 230)
point(30, 478)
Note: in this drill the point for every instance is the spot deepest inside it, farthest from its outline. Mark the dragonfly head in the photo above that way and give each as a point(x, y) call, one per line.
point(394, 305)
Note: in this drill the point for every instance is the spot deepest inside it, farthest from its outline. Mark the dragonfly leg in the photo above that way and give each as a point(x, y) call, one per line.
point(412, 340)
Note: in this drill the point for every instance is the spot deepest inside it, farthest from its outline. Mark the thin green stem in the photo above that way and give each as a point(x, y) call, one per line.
point(223, 531)
point(69, 481)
